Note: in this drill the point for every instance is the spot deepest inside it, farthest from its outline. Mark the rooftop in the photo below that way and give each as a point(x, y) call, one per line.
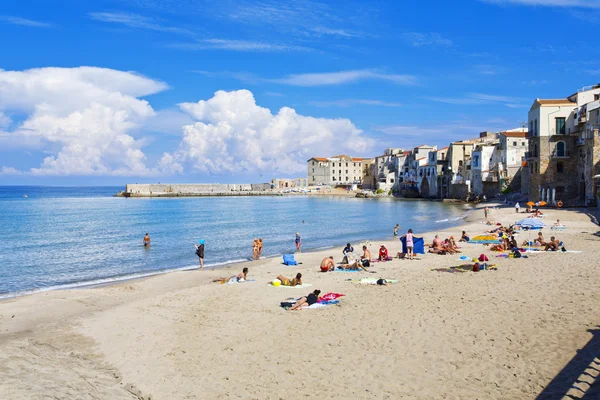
point(514, 134)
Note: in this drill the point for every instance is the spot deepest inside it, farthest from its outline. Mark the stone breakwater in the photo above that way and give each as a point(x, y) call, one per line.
point(183, 190)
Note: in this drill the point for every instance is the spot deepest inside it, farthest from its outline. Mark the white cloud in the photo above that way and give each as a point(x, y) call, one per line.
point(10, 171)
point(8, 19)
point(238, 45)
point(426, 39)
point(4, 120)
point(84, 116)
point(317, 79)
point(342, 77)
point(233, 134)
point(473, 99)
point(550, 3)
point(322, 31)
point(351, 102)
point(136, 21)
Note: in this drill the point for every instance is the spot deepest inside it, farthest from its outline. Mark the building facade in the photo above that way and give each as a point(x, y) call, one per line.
point(341, 170)
point(563, 148)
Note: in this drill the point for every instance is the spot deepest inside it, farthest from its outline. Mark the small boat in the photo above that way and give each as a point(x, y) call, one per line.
point(25, 196)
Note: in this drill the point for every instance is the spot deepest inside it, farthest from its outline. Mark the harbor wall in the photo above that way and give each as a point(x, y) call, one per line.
point(214, 189)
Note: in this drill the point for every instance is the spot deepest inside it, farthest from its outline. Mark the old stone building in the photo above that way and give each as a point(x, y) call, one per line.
point(563, 149)
point(341, 170)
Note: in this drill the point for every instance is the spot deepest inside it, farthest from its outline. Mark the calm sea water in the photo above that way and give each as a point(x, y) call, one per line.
point(66, 237)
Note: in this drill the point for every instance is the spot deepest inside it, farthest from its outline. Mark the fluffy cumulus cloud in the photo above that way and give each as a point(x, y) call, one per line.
point(233, 134)
point(84, 117)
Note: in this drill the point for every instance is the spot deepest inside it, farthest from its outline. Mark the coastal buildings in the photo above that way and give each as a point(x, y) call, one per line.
point(341, 170)
point(563, 151)
point(385, 168)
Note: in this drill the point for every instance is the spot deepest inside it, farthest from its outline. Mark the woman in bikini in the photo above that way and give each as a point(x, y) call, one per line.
point(297, 281)
point(306, 301)
point(241, 277)
point(255, 249)
point(259, 248)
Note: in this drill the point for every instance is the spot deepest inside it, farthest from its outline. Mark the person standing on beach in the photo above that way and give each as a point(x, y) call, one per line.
point(298, 243)
point(517, 207)
point(200, 252)
point(396, 228)
point(486, 212)
point(254, 249)
point(146, 240)
point(259, 248)
point(409, 244)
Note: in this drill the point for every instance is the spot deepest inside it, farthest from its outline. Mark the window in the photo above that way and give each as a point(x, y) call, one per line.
point(522, 143)
point(475, 161)
point(313, 170)
point(355, 164)
point(346, 172)
point(559, 167)
point(314, 178)
point(346, 164)
point(560, 149)
point(460, 163)
point(313, 163)
point(596, 97)
point(560, 126)
point(514, 143)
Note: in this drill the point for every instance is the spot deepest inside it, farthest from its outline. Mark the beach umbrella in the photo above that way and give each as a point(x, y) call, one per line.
point(542, 203)
point(530, 203)
point(529, 224)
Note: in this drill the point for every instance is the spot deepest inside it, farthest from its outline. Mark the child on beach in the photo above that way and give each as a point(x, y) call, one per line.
point(409, 244)
point(396, 228)
point(298, 243)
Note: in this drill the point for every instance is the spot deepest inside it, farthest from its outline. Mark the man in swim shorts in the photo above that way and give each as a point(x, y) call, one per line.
point(146, 240)
point(327, 264)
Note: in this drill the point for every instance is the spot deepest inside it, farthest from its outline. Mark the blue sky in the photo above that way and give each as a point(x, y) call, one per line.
point(292, 80)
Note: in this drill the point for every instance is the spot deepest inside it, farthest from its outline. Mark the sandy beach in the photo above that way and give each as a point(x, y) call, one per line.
point(526, 330)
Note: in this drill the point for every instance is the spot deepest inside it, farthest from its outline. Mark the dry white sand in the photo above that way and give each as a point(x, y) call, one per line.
point(502, 334)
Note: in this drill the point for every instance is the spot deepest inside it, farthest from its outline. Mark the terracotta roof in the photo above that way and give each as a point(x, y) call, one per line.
point(406, 153)
point(442, 149)
point(422, 158)
point(357, 158)
point(514, 134)
point(549, 102)
point(341, 156)
point(319, 158)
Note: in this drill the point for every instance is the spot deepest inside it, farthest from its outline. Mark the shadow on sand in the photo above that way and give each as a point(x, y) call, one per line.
point(580, 378)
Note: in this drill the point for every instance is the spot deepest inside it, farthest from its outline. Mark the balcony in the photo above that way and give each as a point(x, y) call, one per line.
point(560, 154)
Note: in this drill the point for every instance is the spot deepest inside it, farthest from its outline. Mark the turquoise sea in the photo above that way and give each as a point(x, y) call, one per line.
point(62, 237)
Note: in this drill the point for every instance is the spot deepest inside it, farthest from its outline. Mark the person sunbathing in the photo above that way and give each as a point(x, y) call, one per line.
point(552, 245)
point(447, 247)
point(306, 301)
point(557, 223)
point(241, 277)
point(539, 241)
point(383, 253)
point(436, 246)
point(327, 264)
point(297, 281)
point(452, 243)
point(355, 266)
point(464, 237)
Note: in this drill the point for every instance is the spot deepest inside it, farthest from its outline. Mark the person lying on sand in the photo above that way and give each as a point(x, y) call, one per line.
point(355, 266)
point(552, 245)
point(327, 264)
point(241, 277)
point(306, 301)
point(293, 282)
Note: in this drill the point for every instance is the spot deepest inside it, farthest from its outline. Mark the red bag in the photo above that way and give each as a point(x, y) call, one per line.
point(483, 257)
point(476, 267)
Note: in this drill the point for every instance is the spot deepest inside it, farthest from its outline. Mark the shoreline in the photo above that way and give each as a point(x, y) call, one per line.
point(120, 279)
point(502, 333)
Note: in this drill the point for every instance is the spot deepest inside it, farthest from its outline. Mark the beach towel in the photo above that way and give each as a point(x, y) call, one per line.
point(330, 296)
point(418, 245)
point(290, 302)
point(372, 281)
point(463, 268)
point(304, 285)
point(288, 259)
point(232, 281)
